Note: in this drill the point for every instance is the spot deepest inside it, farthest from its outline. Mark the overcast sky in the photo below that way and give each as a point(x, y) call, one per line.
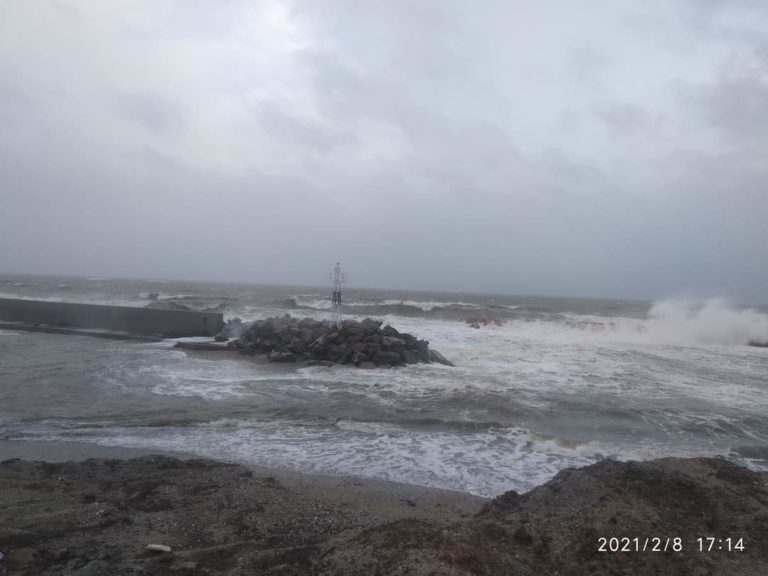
point(573, 147)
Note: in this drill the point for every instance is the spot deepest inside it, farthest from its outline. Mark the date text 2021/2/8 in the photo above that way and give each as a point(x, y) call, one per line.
point(667, 544)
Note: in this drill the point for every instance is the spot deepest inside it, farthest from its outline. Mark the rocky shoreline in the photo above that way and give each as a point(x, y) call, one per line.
point(160, 515)
point(365, 344)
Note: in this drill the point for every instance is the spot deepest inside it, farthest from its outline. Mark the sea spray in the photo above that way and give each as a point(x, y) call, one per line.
point(712, 321)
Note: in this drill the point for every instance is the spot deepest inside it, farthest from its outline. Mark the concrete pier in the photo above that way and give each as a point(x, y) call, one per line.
point(143, 321)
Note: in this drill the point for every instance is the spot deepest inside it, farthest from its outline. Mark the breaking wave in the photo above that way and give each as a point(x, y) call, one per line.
point(430, 305)
point(668, 322)
point(713, 321)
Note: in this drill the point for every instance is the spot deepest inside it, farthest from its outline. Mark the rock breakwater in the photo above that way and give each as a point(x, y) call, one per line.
point(366, 344)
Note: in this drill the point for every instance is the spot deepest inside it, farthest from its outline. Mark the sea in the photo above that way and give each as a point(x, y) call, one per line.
point(539, 384)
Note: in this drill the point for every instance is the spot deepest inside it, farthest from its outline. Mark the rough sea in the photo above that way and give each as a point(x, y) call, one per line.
point(548, 383)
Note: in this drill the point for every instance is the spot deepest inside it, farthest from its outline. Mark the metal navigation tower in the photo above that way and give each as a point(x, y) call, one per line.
point(337, 279)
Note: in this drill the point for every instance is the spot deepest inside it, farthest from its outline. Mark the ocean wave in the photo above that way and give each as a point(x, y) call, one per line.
point(423, 423)
point(503, 307)
point(309, 303)
point(427, 306)
point(396, 307)
point(17, 296)
point(686, 322)
point(187, 296)
point(712, 321)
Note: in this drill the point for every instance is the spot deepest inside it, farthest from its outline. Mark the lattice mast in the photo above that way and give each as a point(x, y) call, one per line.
point(337, 279)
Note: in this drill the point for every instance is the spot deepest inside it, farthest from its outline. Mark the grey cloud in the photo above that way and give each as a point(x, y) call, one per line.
point(500, 148)
point(65, 7)
point(623, 118)
point(738, 107)
point(588, 64)
point(155, 113)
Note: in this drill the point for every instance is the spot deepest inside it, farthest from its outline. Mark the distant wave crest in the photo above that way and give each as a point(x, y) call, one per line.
point(385, 307)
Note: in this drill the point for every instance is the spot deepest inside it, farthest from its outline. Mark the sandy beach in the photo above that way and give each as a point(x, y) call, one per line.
point(73, 509)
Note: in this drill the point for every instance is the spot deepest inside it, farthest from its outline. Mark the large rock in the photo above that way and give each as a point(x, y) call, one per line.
point(392, 342)
point(387, 358)
point(410, 357)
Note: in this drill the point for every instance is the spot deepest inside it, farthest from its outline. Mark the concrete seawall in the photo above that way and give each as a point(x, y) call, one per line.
point(166, 323)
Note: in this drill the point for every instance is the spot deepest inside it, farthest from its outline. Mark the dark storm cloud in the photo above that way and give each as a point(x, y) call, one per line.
point(555, 147)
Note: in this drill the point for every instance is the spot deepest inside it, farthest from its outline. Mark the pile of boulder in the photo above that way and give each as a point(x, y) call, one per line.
point(365, 344)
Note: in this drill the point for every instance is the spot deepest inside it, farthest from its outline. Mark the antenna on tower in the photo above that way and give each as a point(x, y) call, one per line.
point(337, 279)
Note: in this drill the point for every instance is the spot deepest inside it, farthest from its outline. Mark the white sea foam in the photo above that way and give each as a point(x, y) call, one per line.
point(170, 372)
point(208, 379)
point(486, 464)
